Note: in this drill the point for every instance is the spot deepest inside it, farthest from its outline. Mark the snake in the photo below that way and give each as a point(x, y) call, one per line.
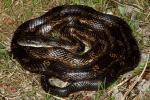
point(76, 44)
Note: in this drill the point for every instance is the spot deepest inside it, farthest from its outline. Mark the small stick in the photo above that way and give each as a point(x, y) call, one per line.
point(59, 98)
point(56, 97)
point(121, 83)
point(136, 81)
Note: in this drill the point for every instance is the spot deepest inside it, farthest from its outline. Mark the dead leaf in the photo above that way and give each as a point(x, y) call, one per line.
point(8, 21)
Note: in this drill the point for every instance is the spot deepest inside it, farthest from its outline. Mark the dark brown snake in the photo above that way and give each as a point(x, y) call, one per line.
point(76, 44)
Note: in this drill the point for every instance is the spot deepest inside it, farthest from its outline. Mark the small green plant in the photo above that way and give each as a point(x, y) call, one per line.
point(7, 3)
point(48, 97)
point(101, 90)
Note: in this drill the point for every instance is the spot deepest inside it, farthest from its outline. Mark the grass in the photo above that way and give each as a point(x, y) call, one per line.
point(18, 83)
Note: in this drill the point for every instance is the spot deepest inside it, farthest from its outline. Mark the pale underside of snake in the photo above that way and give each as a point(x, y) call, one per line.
point(75, 44)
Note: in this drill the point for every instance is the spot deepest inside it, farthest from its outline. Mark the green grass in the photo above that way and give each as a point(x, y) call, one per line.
point(15, 12)
point(101, 91)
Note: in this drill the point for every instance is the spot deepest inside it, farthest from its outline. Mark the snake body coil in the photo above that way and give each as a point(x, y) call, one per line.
point(76, 44)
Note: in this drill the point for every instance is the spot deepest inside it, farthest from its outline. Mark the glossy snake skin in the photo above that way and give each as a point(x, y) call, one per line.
point(78, 45)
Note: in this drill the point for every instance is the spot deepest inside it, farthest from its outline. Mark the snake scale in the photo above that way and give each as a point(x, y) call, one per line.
point(78, 45)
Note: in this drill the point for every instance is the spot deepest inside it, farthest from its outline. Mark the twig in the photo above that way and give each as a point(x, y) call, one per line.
point(136, 81)
point(121, 83)
point(58, 98)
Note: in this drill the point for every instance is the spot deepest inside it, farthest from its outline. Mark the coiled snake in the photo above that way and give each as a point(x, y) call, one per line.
point(76, 44)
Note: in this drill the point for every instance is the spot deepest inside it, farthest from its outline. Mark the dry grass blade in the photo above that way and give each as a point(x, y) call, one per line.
point(136, 81)
point(129, 4)
point(120, 84)
point(58, 98)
